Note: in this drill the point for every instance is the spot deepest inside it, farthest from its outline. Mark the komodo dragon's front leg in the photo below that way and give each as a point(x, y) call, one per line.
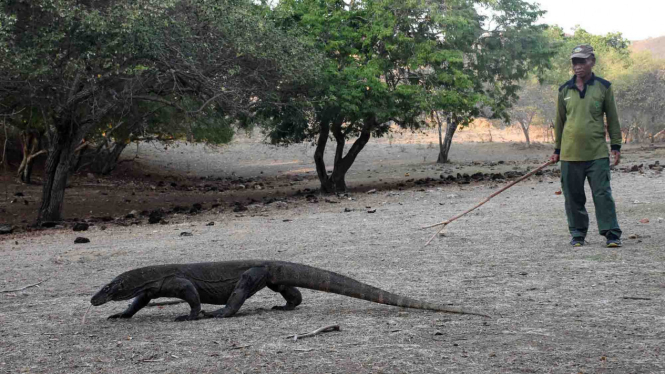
point(139, 303)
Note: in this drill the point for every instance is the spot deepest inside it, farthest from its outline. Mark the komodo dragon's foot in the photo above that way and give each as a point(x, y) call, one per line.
point(188, 317)
point(119, 315)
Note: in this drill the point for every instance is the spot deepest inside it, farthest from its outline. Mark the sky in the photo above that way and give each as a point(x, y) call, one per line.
point(635, 19)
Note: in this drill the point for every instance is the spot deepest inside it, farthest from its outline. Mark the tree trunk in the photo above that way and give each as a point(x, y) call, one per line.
point(62, 147)
point(106, 160)
point(451, 127)
point(343, 164)
point(438, 123)
point(525, 130)
point(326, 184)
point(30, 143)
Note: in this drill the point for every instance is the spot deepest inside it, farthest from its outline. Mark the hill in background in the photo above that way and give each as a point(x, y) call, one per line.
point(655, 45)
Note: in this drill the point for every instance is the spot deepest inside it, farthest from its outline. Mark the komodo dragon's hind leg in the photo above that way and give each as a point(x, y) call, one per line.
point(251, 281)
point(291, 294)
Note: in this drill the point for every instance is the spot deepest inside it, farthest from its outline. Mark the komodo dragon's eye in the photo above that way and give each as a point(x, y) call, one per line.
point(106, 288)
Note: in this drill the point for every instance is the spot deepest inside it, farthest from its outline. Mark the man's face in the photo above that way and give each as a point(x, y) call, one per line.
point(582, 66)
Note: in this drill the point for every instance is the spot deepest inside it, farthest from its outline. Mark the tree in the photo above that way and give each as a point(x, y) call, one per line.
point(393, 62)
point(81, 62)
point(537, 102)
point(640, 99)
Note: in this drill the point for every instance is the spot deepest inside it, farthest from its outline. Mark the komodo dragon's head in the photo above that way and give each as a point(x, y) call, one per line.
point(110, 292)
point(128, 285)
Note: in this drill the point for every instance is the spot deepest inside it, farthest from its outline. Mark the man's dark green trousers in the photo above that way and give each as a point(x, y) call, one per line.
point(573, 176)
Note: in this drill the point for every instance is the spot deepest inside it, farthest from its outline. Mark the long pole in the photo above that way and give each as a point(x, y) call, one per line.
point(445, 223)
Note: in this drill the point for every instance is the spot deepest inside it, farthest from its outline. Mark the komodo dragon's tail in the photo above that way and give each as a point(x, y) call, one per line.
point(298, 275)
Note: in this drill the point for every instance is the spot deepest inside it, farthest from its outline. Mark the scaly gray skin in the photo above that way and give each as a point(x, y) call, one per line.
point(230, 283)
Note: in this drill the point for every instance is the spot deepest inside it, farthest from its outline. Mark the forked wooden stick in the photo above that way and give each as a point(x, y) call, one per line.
point(445, 223)
point(315, 332)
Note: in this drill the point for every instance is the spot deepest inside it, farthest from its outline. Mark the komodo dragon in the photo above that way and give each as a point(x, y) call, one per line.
point(233, 282)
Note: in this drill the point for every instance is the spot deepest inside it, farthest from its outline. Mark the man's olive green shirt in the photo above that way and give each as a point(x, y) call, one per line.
point(579, 131)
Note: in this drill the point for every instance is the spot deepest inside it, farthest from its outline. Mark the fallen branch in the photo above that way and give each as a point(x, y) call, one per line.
point(315, 332)
point(445, 223)
point(26, 287)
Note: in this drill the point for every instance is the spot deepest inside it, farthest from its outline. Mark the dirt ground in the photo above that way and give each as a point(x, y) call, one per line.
point(554, 309)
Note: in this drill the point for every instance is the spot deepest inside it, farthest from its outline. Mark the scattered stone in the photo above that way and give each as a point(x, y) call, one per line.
point(312, 198)
point(373, 190)
point(660, 219)
point(179, 209)
point(49, 224)
point(196, 208)
point(287, 220)
point(155, 216)
point(6, 229)
point(19, 194)
point(185, 233)
point(210, 224)
point(371, 211)
point(102, 227)
point(633, 236)
point(81, 240)
point(238, 207)
point(346, 210)
point(81, 226)
point(330, 201)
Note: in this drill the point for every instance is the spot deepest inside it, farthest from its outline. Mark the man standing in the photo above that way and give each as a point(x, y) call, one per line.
point(580, 145)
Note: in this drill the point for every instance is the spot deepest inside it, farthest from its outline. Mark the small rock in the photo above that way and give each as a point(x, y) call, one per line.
point(210, 224)
point(49, 224)
point(19, 194)
point(239, 208)
point(102, 227)
point(185, 233)
point(81, 240)
point(371, 211)
point(660, 219)
point(633, 236)
point(346, 210)
point(155, 216)
point(373, 190)
point(81, 226)
point(6, 229)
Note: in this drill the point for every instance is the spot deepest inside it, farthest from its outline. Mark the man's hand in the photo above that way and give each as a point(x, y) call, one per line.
point(554, 158)
point(616, 155)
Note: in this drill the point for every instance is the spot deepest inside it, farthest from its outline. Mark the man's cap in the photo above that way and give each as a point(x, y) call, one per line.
point(582, 51)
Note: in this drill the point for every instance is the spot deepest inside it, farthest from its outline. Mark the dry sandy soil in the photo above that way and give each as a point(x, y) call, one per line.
point(554, 308)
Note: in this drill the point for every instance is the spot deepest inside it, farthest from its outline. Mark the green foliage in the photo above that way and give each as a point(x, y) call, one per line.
point(611, 50)
point(391, 61)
